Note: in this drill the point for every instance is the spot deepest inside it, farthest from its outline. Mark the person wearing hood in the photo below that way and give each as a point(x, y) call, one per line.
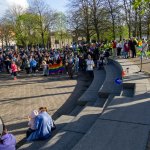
point(7, 140)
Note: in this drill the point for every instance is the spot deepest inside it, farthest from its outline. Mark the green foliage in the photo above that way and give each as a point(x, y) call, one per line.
point(137, 3)
point(26, 29)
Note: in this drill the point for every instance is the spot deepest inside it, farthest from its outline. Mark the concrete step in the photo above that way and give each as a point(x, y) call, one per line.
point(135, 110)
point(91, 94)
point(76, 110)
point(100, 102)
point(68, 136)
point(112, 135)
point(83, 121)
point(109, 86)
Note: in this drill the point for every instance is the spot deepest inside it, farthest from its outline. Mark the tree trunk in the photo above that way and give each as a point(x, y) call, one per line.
point(114, 34)
point(88, 36)
point(148, 30)
point(135, 24)
point(96, 20)
point(43, 44)
point(129, 28)
point(140, 27)
point(97, 34)
point(140, 23)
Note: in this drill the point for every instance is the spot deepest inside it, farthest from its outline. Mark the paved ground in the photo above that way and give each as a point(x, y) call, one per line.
point(145, 64)
point(18, 98)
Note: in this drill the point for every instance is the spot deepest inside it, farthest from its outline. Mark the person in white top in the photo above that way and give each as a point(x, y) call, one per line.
point(90, 65)
point(76, 59)
point(119, 47)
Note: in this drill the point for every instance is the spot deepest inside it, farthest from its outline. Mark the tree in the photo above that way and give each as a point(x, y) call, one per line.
point(61, 28)
point(46, 17)
point(137, 3)
point(81, 9)
point(26, 29)
point(6, 32)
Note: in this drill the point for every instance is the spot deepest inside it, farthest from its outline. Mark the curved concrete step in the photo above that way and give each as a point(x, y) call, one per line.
point(67, 137)
point(113, 71)
point(91, 94)
point(125, 123)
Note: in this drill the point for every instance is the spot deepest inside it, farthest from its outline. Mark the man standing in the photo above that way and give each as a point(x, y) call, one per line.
point(132, 44)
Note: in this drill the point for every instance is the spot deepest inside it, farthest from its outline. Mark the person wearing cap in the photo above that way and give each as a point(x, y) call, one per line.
point(7, 140)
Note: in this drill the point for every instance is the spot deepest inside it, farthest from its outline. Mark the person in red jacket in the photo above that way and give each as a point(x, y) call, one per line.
point(126, 49)
point(14, 69)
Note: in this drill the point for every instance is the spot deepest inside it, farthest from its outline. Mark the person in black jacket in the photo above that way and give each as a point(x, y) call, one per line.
point(132, 44)
point(8, 64)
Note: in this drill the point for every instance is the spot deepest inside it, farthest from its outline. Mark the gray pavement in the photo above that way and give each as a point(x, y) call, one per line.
point(111, 135)
point(20, 97)
point(145, 63)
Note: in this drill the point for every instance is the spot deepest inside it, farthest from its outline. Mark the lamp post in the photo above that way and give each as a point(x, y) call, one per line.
point(141, 60)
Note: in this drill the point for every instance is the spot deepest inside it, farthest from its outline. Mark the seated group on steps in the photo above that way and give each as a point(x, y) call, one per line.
point(40, 125)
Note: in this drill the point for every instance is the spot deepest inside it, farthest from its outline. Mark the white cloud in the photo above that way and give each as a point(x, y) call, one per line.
point(22, 3)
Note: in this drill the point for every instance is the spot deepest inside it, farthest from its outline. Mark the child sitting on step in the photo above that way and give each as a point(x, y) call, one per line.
point(31, 122)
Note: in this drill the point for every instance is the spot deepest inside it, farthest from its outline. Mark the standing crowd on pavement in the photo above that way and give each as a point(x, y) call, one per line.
point(72, 58)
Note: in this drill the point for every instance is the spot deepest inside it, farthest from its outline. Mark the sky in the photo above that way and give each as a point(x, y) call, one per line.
point(59, 5)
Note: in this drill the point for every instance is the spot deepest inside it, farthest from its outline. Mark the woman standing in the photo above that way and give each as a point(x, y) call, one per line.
point(126, 49)
point(90, 65)
point(70, 67)
point(76, 60)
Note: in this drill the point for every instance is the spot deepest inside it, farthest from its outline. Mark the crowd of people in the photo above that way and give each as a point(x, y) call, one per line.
point(13, 61)
point(71, 58)
point(129, 48)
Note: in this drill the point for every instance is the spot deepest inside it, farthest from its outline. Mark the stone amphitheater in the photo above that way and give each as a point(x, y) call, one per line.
point(90, 114)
